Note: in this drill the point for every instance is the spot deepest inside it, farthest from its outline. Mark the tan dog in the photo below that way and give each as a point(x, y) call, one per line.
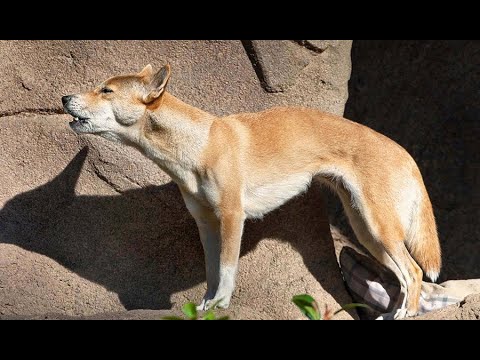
point(245, 165)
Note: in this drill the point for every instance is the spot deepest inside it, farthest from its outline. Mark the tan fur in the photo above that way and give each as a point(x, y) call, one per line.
point(246, 165)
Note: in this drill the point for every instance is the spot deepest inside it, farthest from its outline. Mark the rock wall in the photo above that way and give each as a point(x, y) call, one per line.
point(424, 95)
point(89, 227)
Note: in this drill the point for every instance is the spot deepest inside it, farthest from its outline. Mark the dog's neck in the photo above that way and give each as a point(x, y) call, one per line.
point(174, 134)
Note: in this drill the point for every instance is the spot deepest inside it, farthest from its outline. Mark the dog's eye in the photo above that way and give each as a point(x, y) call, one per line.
point(106, 90)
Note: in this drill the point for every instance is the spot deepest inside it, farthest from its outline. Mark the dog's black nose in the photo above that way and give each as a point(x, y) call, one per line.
point(66, 99)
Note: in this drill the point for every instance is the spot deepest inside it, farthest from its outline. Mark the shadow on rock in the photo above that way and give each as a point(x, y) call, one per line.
point(143, 244)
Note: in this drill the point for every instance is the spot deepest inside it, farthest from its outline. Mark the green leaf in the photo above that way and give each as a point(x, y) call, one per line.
point(190, 310)
point(171, 318)
point(209, 315)
point(312, 313)
point(350, 307)
point(308, 306)
point(303, 299)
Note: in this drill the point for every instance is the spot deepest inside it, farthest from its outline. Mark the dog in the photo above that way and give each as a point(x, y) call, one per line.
point(245, 165)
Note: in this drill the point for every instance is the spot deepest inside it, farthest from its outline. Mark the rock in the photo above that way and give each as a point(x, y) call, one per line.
point(469, 309)
point(120, 315)
point(319, 45)
point(90, 227)
point(277, 62)
point(287, 68)
point(215, 75)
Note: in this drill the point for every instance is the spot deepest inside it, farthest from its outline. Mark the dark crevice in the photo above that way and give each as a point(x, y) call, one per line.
point(307, 45)
point(252, 55)
point(26, 87)
point(104, 178)
point(41, 111)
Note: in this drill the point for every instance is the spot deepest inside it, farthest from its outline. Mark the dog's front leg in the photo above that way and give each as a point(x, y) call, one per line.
point(221, 234)
point(209, 230)
point(231, 229)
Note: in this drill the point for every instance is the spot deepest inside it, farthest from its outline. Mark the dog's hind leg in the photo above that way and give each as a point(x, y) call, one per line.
point(383, 236)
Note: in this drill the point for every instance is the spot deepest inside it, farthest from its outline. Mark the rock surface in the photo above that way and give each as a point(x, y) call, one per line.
point(217, 76)
point(89, 227)
point(469, 309)
point(122, 315)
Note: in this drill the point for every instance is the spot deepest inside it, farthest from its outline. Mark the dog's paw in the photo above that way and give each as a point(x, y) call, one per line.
point(411, 313)
point(210, 301)
point(217, 303)
point(201, 306)
point(400, 314)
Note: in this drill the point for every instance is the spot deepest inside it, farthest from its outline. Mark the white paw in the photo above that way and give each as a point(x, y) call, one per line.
point(221, 302)
point(201, 307)
point(400, 314)
point(217, 302)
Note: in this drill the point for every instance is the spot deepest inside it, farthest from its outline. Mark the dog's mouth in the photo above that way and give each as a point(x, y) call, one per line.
point(79, 124)
point(79, 120)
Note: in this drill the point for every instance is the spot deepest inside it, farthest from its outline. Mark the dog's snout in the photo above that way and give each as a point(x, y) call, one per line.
point(66, 99)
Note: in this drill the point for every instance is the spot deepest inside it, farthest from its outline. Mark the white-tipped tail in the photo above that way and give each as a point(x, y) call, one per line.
point(432, 275)
point(423, 241)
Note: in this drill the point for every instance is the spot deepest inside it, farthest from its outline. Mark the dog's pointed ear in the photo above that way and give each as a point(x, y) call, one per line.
point(147, 72)
point(157, 84)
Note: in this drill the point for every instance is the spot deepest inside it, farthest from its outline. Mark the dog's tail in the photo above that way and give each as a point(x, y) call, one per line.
point(423, 241)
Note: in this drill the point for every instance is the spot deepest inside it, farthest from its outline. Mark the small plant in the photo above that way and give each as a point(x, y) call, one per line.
point(309, 307)
point(191, 313)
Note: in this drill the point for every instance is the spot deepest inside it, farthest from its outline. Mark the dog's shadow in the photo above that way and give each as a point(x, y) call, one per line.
point(143, 244)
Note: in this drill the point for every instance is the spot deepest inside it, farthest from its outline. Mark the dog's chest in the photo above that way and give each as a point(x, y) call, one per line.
point(256, 199)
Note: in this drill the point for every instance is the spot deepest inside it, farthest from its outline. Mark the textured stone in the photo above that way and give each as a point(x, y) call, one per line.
point(469, 309)
point(320, 45)
point(278, 63)
point(88, 226)
point(289, 69)
point(120, 315)
point(214, 75)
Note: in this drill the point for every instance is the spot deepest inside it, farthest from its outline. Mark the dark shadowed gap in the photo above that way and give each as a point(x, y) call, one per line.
point(252, 55)
point(424, 95)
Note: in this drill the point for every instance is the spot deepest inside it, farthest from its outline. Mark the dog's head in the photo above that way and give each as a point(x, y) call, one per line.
point(116, 104)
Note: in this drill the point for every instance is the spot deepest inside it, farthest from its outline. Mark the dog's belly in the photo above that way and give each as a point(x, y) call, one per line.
point(261, 199)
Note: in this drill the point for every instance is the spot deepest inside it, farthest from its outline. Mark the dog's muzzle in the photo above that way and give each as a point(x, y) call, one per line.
point(78, 121)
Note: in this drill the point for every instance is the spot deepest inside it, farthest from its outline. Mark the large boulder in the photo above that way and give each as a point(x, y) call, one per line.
point(88, 227)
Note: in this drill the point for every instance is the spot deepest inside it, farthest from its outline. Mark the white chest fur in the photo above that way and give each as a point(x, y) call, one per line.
point(263, 198)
